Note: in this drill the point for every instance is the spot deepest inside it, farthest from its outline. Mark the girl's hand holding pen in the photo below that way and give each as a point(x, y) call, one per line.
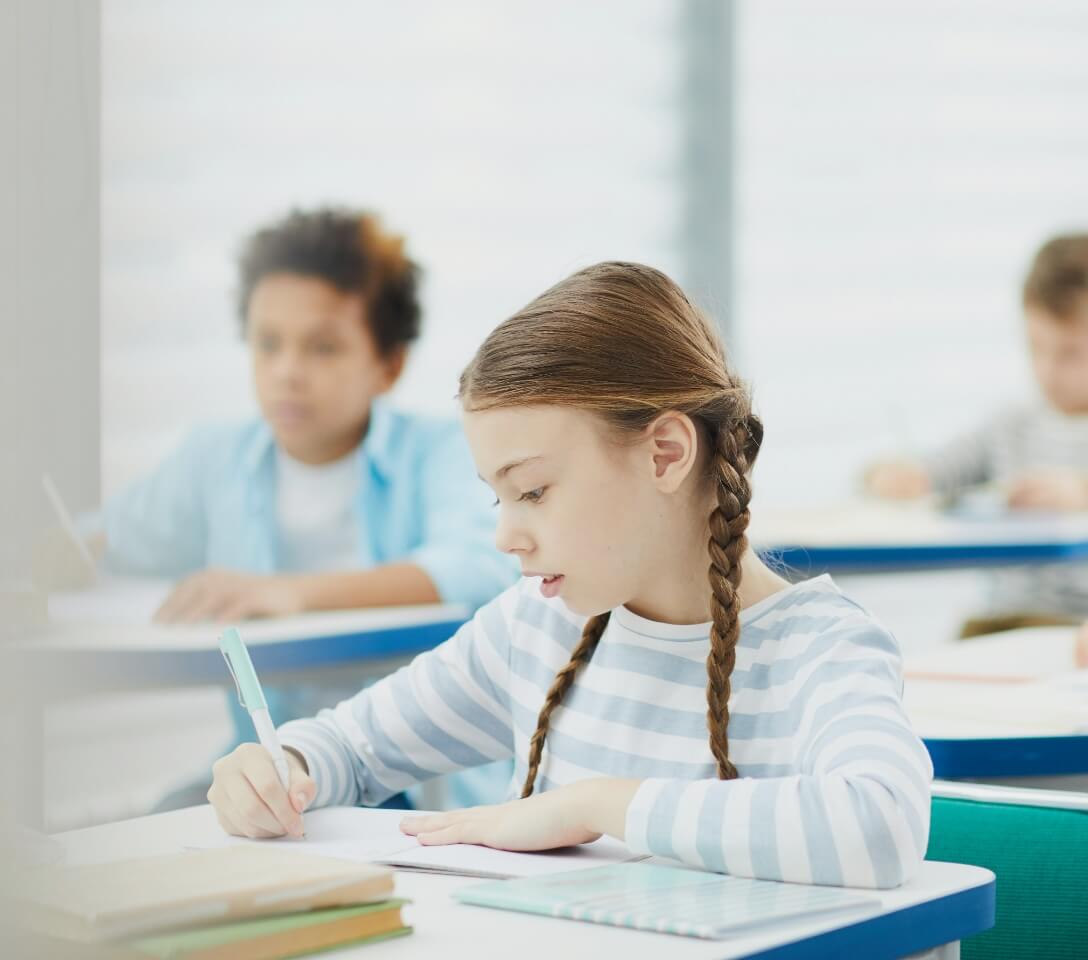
point(249, 799)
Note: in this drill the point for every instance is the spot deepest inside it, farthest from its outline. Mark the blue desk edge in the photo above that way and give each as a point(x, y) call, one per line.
point(901, 932)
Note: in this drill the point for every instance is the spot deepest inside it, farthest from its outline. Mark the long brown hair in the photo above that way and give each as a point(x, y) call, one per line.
point(622, 341)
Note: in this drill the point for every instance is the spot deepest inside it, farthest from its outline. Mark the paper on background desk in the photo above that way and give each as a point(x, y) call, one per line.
point(1014, 684)
point(374, 836)
point(129, 600)
point(118, 617)
point(877, 523)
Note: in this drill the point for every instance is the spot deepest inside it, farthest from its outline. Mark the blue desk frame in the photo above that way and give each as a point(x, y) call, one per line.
point(100, 670)
point(900, 933)
point(887, 558)
point(1009, 756)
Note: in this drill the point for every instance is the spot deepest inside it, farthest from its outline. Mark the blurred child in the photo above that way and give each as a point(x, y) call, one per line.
point(1036, 453)
point(331, 498)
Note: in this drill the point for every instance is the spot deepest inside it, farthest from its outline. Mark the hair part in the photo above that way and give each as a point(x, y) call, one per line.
point(1057, 281)
point(622, 341)
point(349, 250)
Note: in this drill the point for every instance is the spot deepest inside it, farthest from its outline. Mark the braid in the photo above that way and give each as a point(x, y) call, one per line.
point(591, 633)
point(728, 522)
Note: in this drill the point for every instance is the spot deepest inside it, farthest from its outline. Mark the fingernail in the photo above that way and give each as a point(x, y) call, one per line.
point(300, 799)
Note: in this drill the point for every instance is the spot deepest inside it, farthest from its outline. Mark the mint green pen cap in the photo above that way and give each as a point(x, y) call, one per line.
point(241, 668)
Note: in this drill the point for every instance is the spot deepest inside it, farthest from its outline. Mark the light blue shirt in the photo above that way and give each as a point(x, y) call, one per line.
point(212, 503)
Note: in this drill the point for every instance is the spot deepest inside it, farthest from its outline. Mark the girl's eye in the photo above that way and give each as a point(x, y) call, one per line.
point(533, 496)
point(325, 347)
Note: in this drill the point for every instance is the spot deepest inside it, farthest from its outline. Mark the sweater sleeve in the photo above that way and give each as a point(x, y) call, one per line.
point(447, 710)
point(855, 812)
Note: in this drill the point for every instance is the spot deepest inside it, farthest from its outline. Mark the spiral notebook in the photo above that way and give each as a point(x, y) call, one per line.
point(667, 899)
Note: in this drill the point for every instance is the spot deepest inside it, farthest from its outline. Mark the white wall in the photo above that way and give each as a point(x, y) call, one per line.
point(898, 163)
point(511, 143)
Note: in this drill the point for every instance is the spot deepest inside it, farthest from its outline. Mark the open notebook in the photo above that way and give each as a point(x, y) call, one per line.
point(374, 836)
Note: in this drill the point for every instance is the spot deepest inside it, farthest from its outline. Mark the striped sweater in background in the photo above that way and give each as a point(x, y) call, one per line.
point(1018, 440)
point(833, 784)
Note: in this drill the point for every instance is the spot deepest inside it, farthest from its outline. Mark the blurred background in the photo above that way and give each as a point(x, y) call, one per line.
point(852, 190)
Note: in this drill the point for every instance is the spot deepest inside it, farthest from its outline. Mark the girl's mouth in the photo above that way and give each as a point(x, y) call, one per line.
point(550, 586)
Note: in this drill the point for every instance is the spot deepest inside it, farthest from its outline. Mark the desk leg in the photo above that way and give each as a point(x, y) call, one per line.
point(433, 794)
point(948, 951)
point(29, 747)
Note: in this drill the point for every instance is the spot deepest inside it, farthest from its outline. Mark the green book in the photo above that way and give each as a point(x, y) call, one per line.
point(666, 899)
point(275, 937)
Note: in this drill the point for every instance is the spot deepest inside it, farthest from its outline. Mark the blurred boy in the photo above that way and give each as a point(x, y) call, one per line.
point(1037, 453)
point(331, 499)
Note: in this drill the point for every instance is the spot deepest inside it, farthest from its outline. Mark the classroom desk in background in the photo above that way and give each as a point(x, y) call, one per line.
point(932, 912)
point(1011, 705)
point(70, 659)
point(878, 537)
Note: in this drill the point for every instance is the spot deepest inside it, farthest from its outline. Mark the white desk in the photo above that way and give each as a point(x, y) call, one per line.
point(943, 904)
point(1010, 705)
point(876, 536)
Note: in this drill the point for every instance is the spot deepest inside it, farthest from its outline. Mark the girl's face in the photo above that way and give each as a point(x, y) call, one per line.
point(579, 510)
point(316, 367)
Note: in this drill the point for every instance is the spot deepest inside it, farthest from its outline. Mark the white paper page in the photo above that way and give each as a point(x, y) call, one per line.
point(468, 860)
point(129, 600)
point(987, 710)
point(1030, 652)
point(374, 836)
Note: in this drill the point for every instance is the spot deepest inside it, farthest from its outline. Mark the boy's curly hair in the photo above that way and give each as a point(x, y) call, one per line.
point(349, 250)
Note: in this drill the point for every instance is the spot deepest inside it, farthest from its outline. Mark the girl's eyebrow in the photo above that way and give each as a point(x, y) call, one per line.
point(513, 465)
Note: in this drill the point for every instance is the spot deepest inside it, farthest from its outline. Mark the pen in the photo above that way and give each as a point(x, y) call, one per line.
point(252, 698)
point(67, 524)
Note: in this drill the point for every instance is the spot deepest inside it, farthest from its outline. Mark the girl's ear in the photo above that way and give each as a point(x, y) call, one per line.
point(674, 449)
point(393, 367)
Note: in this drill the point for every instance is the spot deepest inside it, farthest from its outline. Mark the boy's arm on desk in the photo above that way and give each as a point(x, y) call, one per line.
point(228, 595)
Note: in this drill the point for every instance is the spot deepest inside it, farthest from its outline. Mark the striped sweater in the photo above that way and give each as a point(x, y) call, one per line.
point(833, 784)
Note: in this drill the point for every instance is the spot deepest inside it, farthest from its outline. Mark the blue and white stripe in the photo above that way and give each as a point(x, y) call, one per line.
point(833, 784)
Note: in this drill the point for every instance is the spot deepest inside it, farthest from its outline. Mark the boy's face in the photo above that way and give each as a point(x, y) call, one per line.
point(1059, 356)
point(316, 366)
point(572, 504)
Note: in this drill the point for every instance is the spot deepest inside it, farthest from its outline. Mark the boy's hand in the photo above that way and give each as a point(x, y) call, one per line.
point(1080, 649)
point(1050, 489)
point(226, 595)
point(897, 480)
point(249, 799)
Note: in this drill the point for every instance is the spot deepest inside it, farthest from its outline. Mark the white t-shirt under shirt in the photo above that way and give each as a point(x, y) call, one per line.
point(315, 513)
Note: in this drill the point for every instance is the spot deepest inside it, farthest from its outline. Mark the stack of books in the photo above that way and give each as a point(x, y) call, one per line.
point(241, 903)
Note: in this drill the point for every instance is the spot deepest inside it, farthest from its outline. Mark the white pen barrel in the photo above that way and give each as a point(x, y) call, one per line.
point(266, 734)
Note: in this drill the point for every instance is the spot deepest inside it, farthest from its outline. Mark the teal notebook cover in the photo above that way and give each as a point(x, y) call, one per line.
point(646, 896)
